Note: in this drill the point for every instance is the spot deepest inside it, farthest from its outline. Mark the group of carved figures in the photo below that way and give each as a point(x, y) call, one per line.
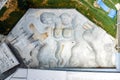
point(66, 43)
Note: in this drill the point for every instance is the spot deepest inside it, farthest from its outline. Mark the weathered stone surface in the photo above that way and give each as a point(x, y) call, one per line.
point(61, 38)
point(7, 59)
point(37, 74)
point(2, 38)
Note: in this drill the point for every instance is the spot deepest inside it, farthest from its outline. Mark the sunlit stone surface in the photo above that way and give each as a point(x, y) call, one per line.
point(61, 38)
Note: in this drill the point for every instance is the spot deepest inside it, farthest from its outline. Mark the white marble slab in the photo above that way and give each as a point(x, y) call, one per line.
point(37, 74)
point(92, 76)
point(61, 38)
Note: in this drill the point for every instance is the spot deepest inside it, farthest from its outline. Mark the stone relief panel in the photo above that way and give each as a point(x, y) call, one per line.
point(61, 38)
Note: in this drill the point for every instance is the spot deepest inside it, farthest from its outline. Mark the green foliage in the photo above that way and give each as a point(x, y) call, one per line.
point(98, 16)
point(110, 3)
point(54, 2)
point(2, 11)
point(9, 23)
point(34, 3)
point(3, 30)
point(23, 4)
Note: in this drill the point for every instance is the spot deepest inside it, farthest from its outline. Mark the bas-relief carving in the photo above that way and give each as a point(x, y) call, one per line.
point(65, 42)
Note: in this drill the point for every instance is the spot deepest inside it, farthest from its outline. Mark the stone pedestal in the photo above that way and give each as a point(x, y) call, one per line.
point(118, 61)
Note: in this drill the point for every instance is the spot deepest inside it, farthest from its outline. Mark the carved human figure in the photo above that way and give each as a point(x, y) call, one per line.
point(103, 55)
point(46, 54)
point(82, 56)
point(65, 19)
point(64, 52)
point(34, 53)
point(50, 18)
point(47, 18)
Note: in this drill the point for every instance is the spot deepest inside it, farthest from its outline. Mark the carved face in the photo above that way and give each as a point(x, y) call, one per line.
point(47, 18)
point(65, 18)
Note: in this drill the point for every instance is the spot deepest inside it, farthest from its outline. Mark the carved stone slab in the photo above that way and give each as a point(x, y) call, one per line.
point(61, 38)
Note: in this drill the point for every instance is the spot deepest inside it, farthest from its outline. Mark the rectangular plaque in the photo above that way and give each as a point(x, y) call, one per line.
point(7, 59)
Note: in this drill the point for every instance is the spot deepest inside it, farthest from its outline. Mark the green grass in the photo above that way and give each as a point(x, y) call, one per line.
point(97, 15)
point(11, 21)
point(58, 1)
point(110, 3)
